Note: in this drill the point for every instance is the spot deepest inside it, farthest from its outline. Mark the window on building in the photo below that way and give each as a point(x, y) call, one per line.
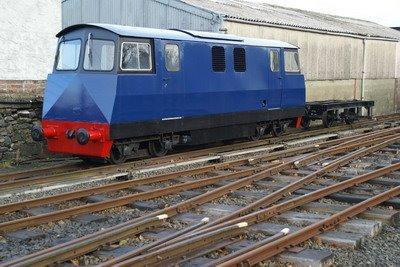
point(274, 60)
point(218, 59)
point(172, 57)
point(292, 62)
point(68, 55)
point(136, 56)
point(239, 58)
point(99, 55)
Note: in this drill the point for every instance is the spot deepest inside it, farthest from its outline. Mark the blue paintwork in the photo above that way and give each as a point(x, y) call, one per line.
point(114, 97)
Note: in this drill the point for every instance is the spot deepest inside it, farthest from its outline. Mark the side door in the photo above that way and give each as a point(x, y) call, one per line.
point(172, 80)
point(275, 78)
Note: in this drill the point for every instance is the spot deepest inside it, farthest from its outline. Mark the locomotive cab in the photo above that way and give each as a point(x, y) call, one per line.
point(117, 91)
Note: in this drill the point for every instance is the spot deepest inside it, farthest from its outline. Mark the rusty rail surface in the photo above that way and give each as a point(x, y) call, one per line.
point(255, 175)
point(269, 250)
point(130, 259)
point(164, 177)
point(88, 243)
point(20, 179)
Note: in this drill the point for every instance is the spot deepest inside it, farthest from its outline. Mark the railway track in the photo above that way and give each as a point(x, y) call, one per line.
point(239, 196)
point(78, 171)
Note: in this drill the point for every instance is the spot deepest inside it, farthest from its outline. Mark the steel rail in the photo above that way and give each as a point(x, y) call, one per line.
point(147, 247)
point(164, 177)
point(76, 175)
point(233, 255)
point(263, 215)
point(213, 226)
point(103, 205)
point(269, 250)
point(126, 184)
point(173, 251)
point(81, 243)
point(121, 201)
point(69, 251)
point(280, 193)
point(159, 178)
point(267, 213)
point(64, 167)
point(209, 196)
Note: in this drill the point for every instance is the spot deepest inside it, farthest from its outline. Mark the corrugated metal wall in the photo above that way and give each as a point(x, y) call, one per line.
point(329, 57)
point(398, 61)
point(162, 14)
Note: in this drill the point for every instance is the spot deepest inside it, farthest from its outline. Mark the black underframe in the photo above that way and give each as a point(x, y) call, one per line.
point(156, 127)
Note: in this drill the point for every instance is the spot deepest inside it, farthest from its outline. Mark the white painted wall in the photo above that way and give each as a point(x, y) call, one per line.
point(27, 38)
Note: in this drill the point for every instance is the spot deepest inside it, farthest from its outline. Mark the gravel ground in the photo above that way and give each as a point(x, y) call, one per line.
point(381, 250)
point(384, 248)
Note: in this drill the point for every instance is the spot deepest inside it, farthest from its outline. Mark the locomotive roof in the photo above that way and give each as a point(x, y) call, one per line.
point(174, 34)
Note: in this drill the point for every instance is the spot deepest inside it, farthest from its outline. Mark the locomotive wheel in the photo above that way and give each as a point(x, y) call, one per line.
point(305, 123)
point(259, 132)
point(116, 156)
point(278, 129)
point(327, 119)
point(350, 117)
point(157, 149)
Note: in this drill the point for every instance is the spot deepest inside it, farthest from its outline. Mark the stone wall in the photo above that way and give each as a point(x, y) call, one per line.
point(16, 120)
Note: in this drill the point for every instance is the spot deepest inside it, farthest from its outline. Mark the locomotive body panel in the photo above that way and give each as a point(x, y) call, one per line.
point(99, 91)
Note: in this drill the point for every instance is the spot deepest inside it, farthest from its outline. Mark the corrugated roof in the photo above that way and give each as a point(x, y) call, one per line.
point(290, 17)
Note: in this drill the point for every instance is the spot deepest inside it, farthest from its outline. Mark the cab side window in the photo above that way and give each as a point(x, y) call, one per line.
point(136, 56)
point(274, 60)
point(172, 57)
point(292, 62)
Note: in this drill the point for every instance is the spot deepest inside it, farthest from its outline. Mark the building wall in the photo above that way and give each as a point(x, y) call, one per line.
point(161, 14)
point(333, 65)
point(28, 44)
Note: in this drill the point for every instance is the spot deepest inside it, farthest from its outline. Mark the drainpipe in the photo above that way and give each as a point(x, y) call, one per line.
point(364, 69)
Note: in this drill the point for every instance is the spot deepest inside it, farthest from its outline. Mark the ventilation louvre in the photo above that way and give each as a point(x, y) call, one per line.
point(239, 56)
point(218, 59)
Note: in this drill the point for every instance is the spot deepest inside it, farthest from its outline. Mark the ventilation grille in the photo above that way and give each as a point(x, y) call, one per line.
point(239, 55)
point(218, 59)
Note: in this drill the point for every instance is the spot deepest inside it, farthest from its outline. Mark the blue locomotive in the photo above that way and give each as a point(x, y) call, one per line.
point(116, 90)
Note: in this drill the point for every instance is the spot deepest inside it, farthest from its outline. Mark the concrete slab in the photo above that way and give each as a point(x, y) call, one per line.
point(146, 205)
point(97, 198)
point(39, 211)
point(144, 188)
point(191, 218)
point(25, 235)
point(249, 195)
point(311, 140)
point(307, 258)
point(251, 151)
point(343, 240)
point(383, 215)
point(360, 226)
point(239, 245)
point(190, 194)
point(197, 262)
point(177, 165)
point(89, 218)
point(113, 252)
point(351, 198)
point(218, 209)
